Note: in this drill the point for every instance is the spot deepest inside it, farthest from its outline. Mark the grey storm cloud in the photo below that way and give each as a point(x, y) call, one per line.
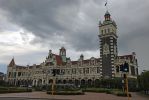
point(49, 17)
point(75, 22)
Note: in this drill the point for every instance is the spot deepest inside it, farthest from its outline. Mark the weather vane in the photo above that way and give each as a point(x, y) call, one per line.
point(106, 4)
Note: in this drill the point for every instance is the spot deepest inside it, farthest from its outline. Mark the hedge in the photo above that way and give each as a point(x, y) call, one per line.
point(66, 92)
point(98, 90)
point(14, 90)
point(108, 91)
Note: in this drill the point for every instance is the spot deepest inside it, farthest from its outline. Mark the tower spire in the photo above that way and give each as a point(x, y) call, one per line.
point(107, 14)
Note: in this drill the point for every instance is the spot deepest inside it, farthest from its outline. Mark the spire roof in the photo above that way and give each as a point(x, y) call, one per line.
point(63, 48)
point(107, 13)
point(12, 63)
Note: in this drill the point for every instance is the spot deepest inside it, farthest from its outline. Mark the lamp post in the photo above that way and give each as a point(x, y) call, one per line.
point(54, 72)
point(47, 73)
point(125, 69)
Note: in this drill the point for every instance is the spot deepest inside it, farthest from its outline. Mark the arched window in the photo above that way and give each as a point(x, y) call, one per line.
point(105, 31)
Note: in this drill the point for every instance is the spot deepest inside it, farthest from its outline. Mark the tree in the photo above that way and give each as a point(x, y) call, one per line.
point(143, 82)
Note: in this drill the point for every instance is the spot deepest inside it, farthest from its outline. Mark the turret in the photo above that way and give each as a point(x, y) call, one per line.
point(107, 16)
point(62, 53)
point(81, 57)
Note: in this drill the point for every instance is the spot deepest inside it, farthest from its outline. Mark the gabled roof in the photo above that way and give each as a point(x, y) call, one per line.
point(12, 63)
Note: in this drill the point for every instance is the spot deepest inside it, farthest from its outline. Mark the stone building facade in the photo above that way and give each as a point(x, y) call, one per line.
point(80, 72)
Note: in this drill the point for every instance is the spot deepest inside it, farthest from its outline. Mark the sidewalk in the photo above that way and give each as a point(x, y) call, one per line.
point(87, 96)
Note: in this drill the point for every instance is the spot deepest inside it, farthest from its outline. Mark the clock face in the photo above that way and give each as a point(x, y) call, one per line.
point(106, 49)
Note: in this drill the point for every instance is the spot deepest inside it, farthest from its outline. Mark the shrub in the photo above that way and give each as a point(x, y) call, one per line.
point(38, 88)
point(109, 92)
point(123, 94)
point(3, 88)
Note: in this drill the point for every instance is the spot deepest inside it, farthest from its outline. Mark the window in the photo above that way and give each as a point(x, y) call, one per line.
point(108, 30)
point(73, 71)
point(98, 70)
point(68, 71)
point(136, 71)
point(132, 70)
point(87, 70)
point(84, 70)
point(102, 31)
point(19, 73)
point(117, 69)
point(14, 74)
point(9, 74)
point(105, 31)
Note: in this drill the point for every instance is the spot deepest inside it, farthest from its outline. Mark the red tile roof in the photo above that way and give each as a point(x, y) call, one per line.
point(58, 60)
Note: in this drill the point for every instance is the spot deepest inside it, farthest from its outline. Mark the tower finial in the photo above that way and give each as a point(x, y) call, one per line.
point(106, 5)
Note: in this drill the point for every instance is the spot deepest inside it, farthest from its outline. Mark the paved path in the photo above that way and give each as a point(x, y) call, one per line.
point(87, 96)
point(21, 98)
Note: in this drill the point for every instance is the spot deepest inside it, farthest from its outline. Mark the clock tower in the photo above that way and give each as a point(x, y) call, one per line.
point(108, 46)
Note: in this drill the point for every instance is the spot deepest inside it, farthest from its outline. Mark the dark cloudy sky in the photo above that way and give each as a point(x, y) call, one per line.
point(29, 28)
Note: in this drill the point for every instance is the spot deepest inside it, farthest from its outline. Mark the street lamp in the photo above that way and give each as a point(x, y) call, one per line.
point(125, 69)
